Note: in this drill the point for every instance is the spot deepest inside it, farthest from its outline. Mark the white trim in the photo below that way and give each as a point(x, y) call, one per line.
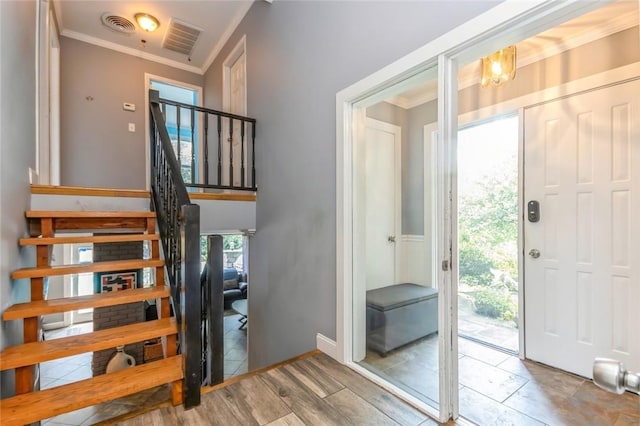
point(54, 102)
point(521, 307)
point(131, 51)
point(235, 22)
point(40, 28)
point(447, 236)
point(327, 346)
point(236, 53)
point(147, 85)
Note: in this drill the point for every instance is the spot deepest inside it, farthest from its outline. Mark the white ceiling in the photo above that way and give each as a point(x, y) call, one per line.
point(80, 19)
point(615, 17)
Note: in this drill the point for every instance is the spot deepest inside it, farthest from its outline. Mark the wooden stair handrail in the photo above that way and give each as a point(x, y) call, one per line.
point(113, 265)
point(66, 304)
point(36, 352)
point(63, 399)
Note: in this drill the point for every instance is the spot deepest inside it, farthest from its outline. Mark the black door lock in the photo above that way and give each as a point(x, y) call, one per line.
point(533, 211)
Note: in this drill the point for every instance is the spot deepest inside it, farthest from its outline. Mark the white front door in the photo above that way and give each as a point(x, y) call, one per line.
point(382, 212)
point(582, 164)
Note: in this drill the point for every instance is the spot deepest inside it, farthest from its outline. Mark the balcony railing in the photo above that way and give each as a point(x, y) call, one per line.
point(215, 150)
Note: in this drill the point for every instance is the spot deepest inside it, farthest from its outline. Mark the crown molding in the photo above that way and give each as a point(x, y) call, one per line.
point(130, 51)
point(226, 36)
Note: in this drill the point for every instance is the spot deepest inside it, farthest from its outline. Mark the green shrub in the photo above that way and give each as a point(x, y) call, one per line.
point(494, 304)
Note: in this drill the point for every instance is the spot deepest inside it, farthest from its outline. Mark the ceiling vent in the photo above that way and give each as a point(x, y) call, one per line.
point(181, 37)
point(118, 23)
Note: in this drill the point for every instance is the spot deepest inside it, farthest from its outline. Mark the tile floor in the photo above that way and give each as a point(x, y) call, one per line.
point(497, 388)
point(71, 369)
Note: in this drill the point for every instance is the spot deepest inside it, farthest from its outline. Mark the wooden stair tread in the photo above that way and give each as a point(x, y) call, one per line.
point(37, 352)
point(66, 304)
point(114, 265)
point(114, 238)
point(30, 407)
point(38, 214)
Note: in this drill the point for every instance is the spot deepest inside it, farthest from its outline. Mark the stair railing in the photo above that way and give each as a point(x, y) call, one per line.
point(179, 225)
point(215, 149)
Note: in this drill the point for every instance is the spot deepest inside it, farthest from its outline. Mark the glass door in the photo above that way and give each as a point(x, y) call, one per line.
point(397, 325)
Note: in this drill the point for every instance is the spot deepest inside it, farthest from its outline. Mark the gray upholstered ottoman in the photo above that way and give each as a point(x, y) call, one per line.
point(400, 314)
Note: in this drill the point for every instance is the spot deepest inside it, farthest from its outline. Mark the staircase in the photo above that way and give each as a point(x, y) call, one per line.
point(30, 405)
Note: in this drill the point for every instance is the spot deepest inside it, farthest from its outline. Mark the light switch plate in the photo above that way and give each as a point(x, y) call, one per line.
point(132, 127)
point(128, 106)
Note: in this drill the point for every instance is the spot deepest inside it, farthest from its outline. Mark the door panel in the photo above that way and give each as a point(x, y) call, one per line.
point(381, 209)
point(582, 162)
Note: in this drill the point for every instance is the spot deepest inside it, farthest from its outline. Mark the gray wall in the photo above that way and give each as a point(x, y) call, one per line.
point(299, 55)
point(17, 154)
point(96, 148)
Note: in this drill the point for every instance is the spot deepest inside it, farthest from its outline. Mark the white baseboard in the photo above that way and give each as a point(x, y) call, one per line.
point(326, 345)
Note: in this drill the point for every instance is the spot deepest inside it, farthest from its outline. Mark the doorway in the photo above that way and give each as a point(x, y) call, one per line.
point(451, 106)
point(488, 229)
point(234, 100)
point(382, 170)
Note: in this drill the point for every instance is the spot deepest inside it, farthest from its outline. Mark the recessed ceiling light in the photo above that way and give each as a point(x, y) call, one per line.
point(147, 22)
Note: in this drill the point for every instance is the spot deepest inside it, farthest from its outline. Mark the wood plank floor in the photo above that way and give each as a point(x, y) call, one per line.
point(315, 390)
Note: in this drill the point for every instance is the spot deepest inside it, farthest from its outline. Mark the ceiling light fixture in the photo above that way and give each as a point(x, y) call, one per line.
point(499, 67)
point(147, 22)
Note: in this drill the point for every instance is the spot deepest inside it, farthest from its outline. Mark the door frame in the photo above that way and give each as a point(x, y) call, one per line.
point(502, 25)
point(147, 149)
point(47, 83)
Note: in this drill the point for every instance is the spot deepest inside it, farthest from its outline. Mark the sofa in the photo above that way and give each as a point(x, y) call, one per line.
point(234, 286)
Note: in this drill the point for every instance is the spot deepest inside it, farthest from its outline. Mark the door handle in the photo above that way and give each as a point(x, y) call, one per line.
point(391, 238)
point(535, 253)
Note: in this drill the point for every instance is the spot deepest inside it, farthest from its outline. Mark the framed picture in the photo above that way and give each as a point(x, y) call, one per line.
point(116, 281)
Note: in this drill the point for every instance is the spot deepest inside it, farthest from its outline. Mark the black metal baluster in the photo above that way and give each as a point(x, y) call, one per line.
point(193, 148)
point(231, 152)
point(206, 148)
point(242, 153)
point(219, 150)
